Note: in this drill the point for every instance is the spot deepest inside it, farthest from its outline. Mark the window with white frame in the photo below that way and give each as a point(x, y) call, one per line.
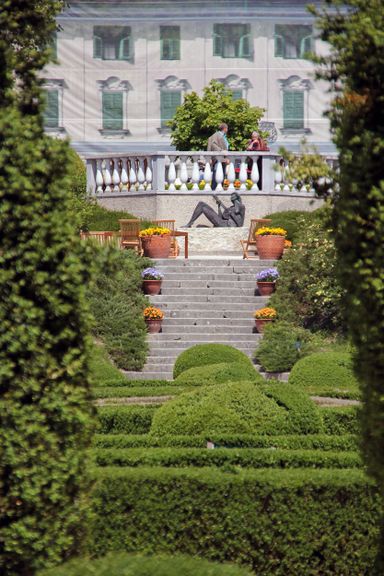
point(112, 42)
point(53, 109)
point(293, 41)
point(114, 101)
point(170, 42)
point(172, 90)
point(232, 40)
point(295, 98)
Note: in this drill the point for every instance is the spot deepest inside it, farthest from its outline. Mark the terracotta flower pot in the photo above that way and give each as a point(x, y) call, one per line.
point(270, 247)
point(153, 326)
point(266, 288)
point(261, 322)
point(152, 287)
point(157, 246)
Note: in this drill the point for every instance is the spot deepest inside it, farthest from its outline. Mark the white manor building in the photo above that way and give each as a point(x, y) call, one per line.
point(125, 66)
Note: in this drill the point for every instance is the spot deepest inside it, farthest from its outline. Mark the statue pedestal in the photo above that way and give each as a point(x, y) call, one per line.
point(215, 240)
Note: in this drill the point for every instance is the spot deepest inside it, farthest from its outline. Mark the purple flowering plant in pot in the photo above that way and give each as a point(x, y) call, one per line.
point(152, 279)
point(266, 281)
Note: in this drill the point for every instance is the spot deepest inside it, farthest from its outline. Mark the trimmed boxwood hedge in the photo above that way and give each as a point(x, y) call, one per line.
point(341, 420)
point(129, 419)
point(277, 522)
point(304, 415)
point(324, 370)
point(127, 565)
point(238, 407)
point(140, 391)
point(346, 442)
point(218, 373)
point(224, 457)
point(205, 354)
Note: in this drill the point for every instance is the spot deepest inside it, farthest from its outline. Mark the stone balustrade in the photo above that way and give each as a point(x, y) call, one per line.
point(189, 172)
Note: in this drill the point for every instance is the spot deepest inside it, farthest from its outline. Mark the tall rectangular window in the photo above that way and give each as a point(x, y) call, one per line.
point(112, 42)
point(112, 110)
point(170, 42)
point(169, 103)
point(293, 40)
point(237, 94)
point(293, 110)
point(232, 41)
point(51, 111)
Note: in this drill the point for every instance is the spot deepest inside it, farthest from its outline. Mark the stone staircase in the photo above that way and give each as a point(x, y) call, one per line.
point(204, 300)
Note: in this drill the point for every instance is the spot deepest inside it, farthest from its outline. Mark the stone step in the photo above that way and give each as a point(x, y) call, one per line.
point(183, 322)
point(219, 300)
point(208, 330)
point(179, 346)
point(200, 312)
point(203, 284)
point(203, 336)
point(239, 268)
point(209, 262)
point(229, 276)
point(153, 375)
point(208, 291)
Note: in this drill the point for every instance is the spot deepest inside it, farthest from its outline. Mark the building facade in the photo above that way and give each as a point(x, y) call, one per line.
point(124, 67)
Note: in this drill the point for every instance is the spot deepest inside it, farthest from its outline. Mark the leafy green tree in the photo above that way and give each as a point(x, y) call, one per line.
point(198, 118)
point(46, 413)
point(355, 69)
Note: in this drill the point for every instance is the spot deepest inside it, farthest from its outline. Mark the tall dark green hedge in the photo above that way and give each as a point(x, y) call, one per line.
point(355, 68)
point(44, 393)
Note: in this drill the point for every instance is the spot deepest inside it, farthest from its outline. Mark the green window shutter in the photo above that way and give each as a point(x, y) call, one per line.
point(51, 113)
point(125, 48)
point(170, 42)
point(169, 103)
point(245, 46)
point(305, 46)
point(218, 44)
point(97, 47)
point(112, 110)
point(237, 94)
point(279, 46)
point(293, 110)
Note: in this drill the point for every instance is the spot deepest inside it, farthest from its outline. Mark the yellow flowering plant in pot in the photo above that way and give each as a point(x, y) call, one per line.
point(270, 242)
point(156, 241)
point(153, 317)
point(263, 316)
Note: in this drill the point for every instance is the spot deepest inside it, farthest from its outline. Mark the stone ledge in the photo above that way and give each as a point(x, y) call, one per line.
point(215, 240)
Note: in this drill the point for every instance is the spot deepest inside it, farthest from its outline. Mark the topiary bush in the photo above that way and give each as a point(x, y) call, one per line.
point(127, 565)
point(234, 407)
point(117, 304)
point(324, 370)
point(205, 354)
point(283, 344)
point(217, 373)
point(128, 419)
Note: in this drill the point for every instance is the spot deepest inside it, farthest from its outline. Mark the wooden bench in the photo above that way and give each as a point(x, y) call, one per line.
point(251, 240)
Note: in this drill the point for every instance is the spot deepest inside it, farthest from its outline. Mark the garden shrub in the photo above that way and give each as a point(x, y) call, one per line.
point(304, 415)
point(46, 409)
point(103, 371)
point(294, 221)
point(341, 420)
point(205, 354)
point(140, 391)
point(103, 219)
point(324, 370)
point(344, 442)
point(274, 521)
point(283, 344)
point(117, 305)
point(308, 292)
point(128, 419)
point(217, 373)
point(135, 565)
point(235, 407)
point(224, 458)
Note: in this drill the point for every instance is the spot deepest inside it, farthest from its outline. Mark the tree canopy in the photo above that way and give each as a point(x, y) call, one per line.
point(199, 117)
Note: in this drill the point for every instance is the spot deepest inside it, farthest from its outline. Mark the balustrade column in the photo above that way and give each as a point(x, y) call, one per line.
point(116, 175)
point(99, 177)
point(243, 175)
point(132, 175)
point(171, 176)
point(207, 177)
point(148, 175)
point(124, 175)
point(231, 176)
point(195, 174)
point(107, 176)
point(183, 175)
point(219, 174)
point(255, 174)
point(140, 175)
